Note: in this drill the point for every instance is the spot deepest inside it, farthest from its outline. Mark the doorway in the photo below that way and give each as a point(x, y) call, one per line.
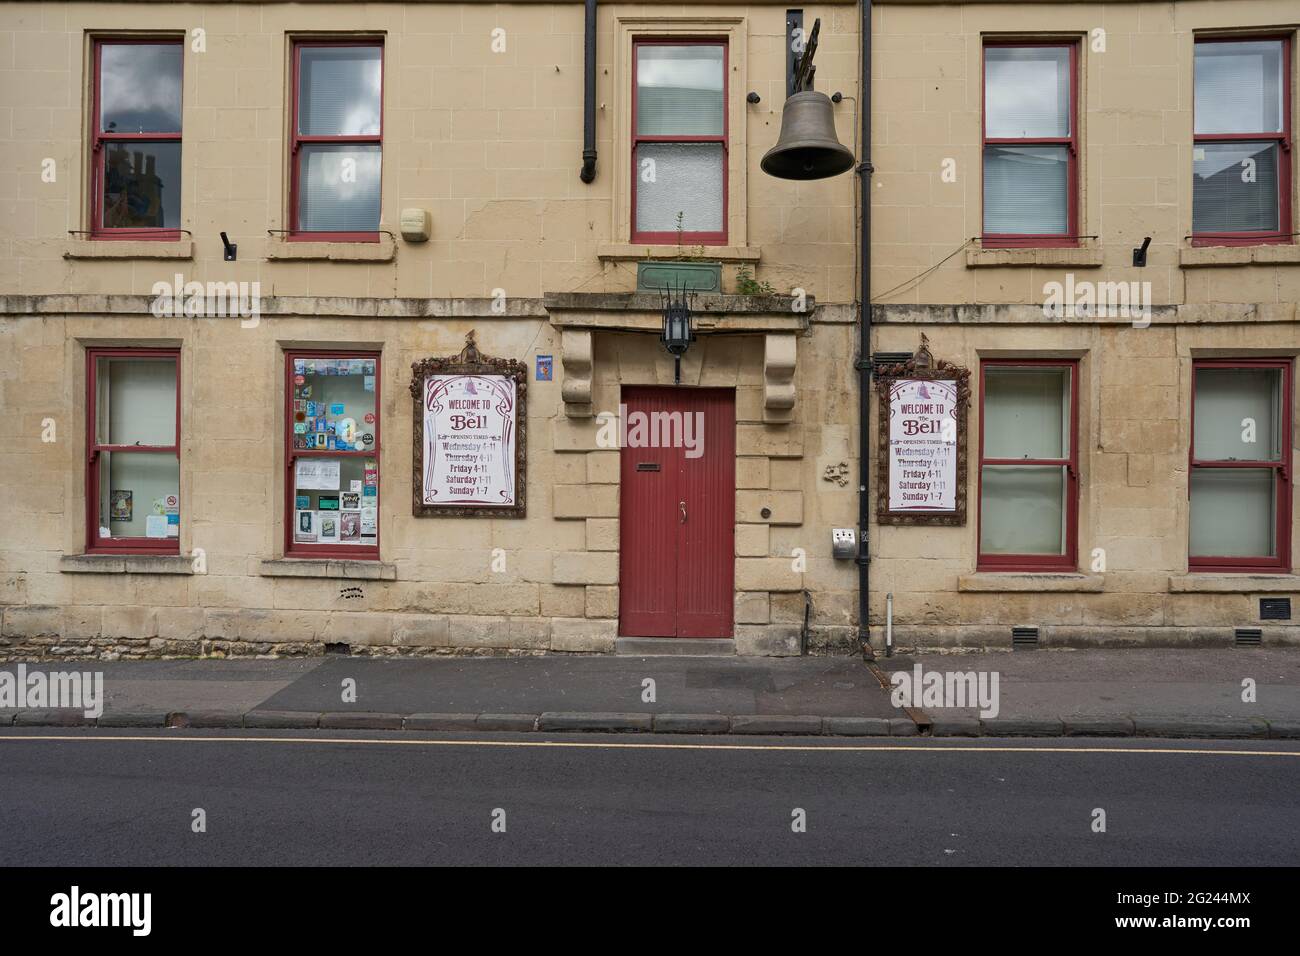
point(677, 512)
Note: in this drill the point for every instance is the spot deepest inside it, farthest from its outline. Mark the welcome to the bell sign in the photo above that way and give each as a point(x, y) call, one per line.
point(923, 445)
point(469, 440)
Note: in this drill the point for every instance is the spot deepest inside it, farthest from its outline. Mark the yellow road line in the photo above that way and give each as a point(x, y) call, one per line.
point(632, 745)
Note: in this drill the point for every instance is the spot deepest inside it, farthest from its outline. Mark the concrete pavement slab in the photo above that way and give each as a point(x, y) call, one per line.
point(827, 686)
point(1155, 682)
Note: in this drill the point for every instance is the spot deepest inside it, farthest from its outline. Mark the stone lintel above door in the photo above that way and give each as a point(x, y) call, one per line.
point(578, 315)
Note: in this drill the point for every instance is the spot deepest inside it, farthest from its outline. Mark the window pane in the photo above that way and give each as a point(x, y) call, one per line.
point(1234, 187)
point(139, 494)
point(339, 91)
point(336, 507)
point(1026, 412)
point(142, 185)
point(1026, 190)
point(140, 87)
point(135, 402)
point(1239, 87)
point(1232, 513)
point(334, 404)
point(1026, 92)
point(679, 90)
point(338, 188)
point(677, 178)
point(1022, 509)
point(1238, 414)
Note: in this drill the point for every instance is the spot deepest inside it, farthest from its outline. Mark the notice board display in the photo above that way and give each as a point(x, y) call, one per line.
point(922, 441)
point(469, 435)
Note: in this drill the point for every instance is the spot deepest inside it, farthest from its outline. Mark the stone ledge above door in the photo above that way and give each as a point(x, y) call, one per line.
point(578, 315)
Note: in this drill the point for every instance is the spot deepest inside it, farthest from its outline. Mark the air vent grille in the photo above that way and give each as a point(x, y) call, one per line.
point(1024, 638)
point(1248, 637)
point(1275, 609)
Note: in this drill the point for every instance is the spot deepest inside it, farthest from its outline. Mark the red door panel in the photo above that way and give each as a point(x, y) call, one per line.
point(706, 541)
point(677, 514)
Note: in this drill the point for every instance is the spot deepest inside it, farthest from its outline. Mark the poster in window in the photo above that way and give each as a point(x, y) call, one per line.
point(304, 528)
point(922, 441)
point(119, 505)
point(470, 414)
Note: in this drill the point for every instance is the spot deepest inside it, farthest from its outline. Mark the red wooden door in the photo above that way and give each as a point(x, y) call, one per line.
point(677, 513)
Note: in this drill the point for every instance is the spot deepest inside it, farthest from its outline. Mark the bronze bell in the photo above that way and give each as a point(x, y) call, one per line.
point(808, 147)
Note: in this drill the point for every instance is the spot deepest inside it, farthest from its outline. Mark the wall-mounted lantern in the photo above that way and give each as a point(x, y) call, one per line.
point(677, 334)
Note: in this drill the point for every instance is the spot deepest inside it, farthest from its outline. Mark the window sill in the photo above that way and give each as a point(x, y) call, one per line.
point(629, 252)
point(298, 250)
point(329, 568)
point(125, 564)
point(994, 582)
point(1209, 256)
point(1248, 583)
point(129, 249)
point(1077, 257)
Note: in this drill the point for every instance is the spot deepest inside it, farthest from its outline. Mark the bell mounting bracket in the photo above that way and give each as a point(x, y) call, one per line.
point(799, 66)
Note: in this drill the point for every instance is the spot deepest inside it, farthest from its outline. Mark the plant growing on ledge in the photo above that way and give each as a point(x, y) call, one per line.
point(746, 284)
point(689, 268)
point(683, 254)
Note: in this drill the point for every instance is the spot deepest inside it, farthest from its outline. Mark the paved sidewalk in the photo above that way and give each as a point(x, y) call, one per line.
point(1159, 692)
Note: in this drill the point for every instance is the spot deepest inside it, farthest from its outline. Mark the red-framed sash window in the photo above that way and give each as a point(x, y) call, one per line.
point(133, 438)
point(135, 163)
point(1031, 144)
point(1239, 487)
point(336, 150)
point(332, 453)
point(1029, 465)
point(679, 141)
point(1241, 152)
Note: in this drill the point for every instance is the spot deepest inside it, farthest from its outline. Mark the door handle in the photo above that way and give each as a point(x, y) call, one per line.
point(682, 507)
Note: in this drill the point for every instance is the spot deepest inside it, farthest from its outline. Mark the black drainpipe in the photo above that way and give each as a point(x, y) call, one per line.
point(589, 97)
point(865, 169)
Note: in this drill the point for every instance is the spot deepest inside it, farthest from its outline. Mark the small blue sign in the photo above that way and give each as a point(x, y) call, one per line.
point(545, 368)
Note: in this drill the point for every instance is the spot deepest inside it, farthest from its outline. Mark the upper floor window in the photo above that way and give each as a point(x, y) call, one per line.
point(1029, 465)
point(1241, 156)
point(1030, 144)
point(136, 144)
point(133, 447)
point(679, 141)
point(337, 138)
point(1240, 491)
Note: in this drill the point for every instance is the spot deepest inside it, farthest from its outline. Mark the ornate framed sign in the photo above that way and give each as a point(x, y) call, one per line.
point(469, 436)
point(922, 441)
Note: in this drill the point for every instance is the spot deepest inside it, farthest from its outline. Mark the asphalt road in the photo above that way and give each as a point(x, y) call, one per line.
point(78, 798)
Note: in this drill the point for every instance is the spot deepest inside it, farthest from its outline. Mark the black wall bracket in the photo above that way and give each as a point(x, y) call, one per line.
point(794, 46)
point(1140, 253)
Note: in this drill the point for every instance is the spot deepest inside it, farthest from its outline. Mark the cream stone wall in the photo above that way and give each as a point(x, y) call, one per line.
point(490, 144)
point(1135, 126)
point(1132, 585)
point(440, 586)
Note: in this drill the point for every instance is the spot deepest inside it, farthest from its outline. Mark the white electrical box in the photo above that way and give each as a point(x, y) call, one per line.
point(844, 543)
point(417, 225)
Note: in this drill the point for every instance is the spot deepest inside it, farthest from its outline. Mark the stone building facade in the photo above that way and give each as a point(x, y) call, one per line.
point(481, 128)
